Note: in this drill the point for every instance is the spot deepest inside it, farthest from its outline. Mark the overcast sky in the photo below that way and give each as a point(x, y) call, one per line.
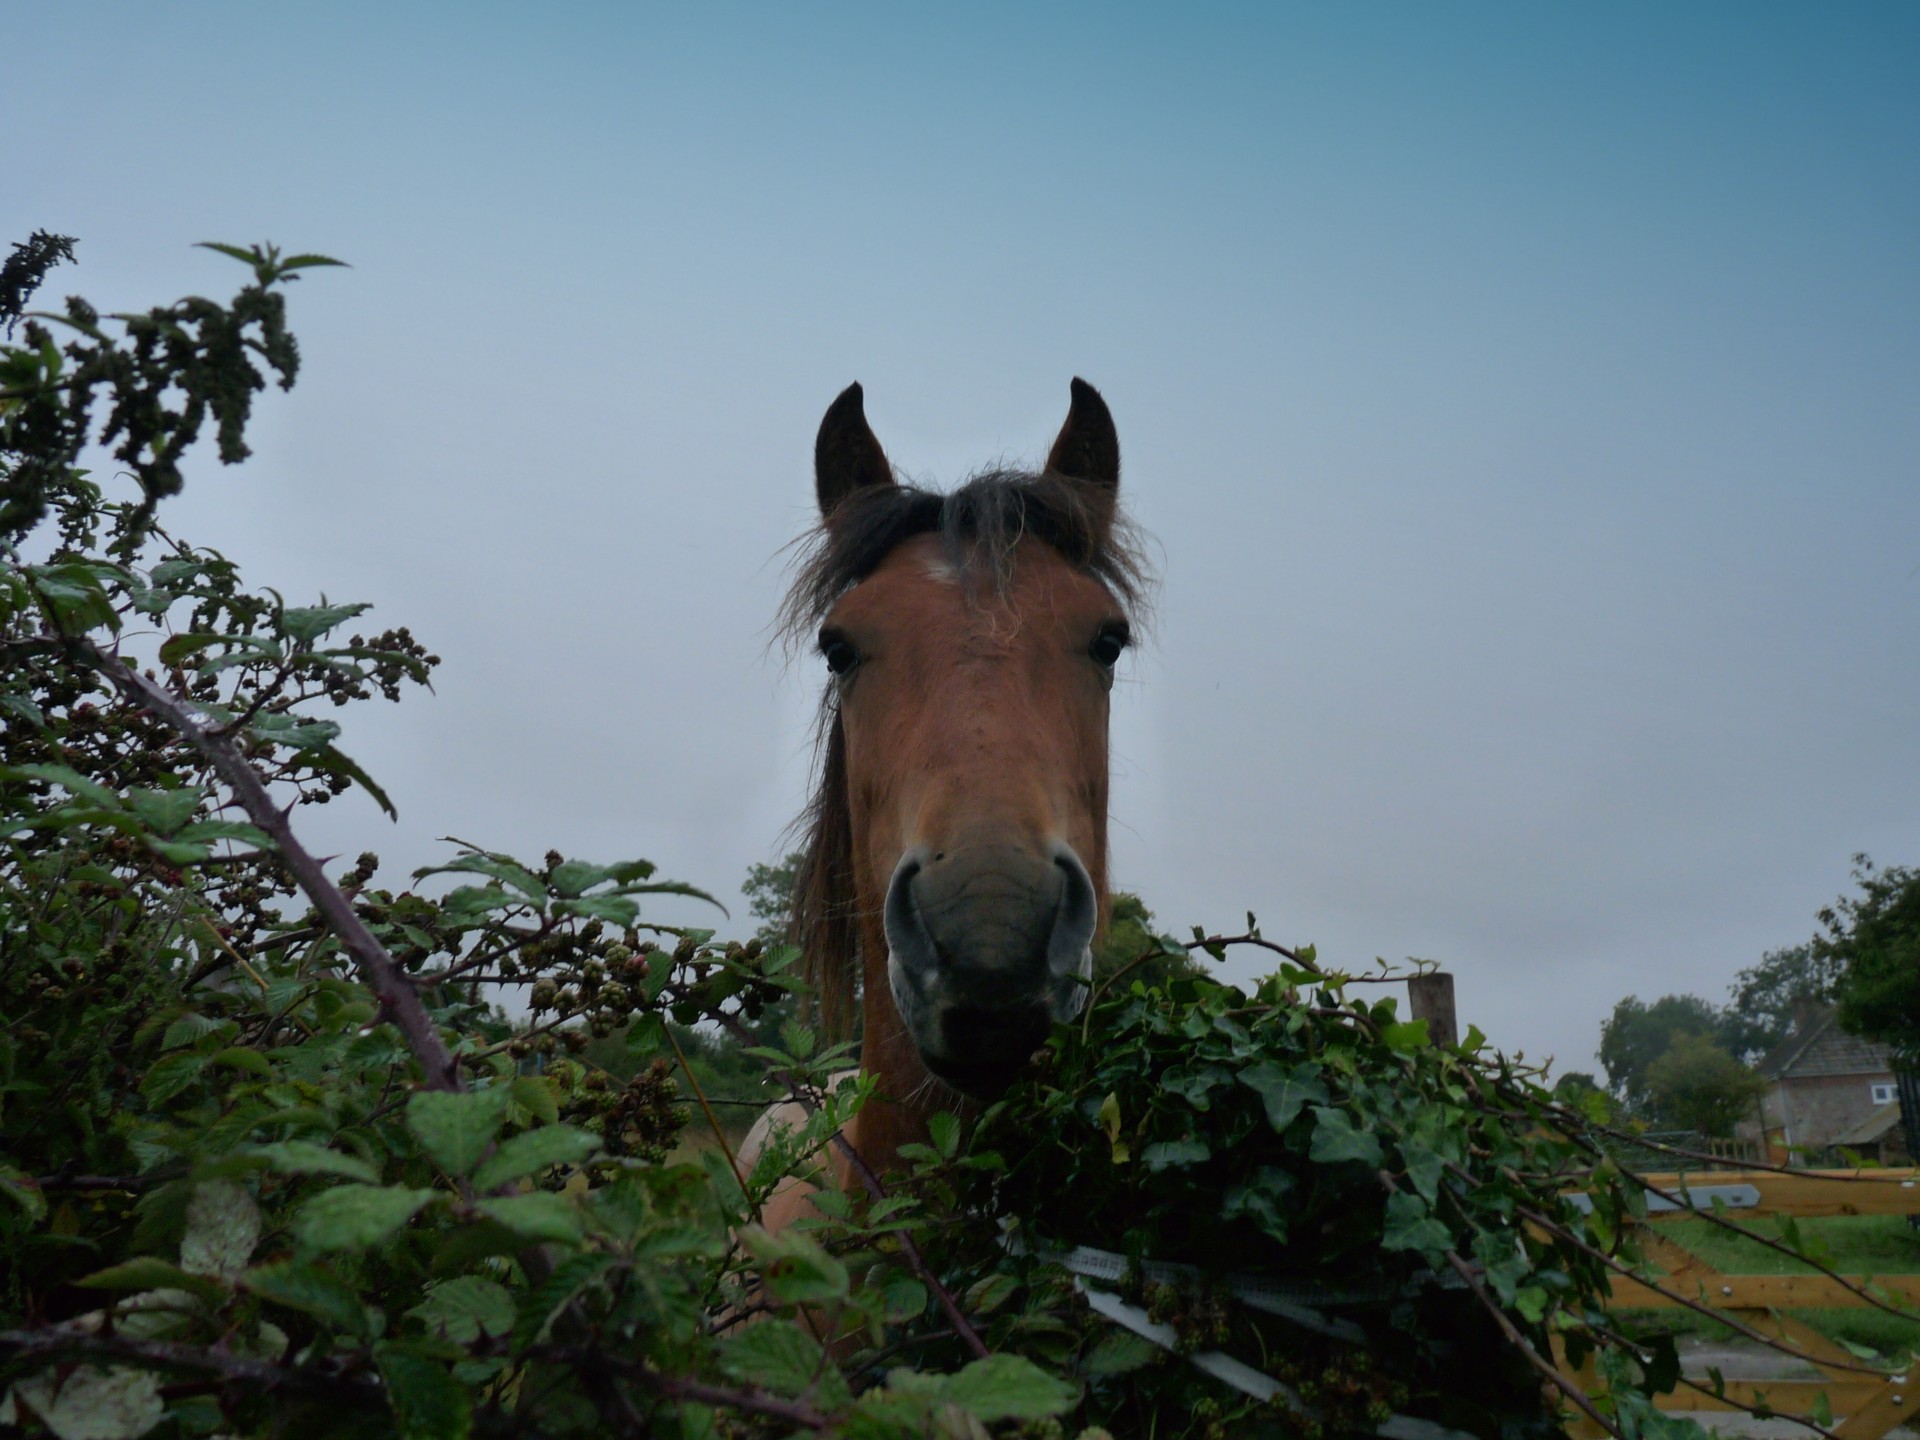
point(1524, 401)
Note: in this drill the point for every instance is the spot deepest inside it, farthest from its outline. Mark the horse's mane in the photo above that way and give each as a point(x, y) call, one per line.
point(980, 526)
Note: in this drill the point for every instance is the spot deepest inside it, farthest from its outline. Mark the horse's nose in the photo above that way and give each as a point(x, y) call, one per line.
point(988, 944)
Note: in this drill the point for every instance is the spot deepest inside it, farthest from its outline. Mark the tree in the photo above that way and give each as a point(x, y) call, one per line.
point(1873, 939)
point(1765, 996)
point(1697, 1085)
point(769, 892)
point(1131, 945)
point(1637, 1034)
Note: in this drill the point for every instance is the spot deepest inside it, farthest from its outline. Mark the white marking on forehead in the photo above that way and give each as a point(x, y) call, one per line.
point(939, 568)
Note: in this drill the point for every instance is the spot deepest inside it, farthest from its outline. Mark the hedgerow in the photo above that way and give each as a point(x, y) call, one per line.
point(299, 1153)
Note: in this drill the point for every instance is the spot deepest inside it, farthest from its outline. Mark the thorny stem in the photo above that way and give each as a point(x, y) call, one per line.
point(383, 976)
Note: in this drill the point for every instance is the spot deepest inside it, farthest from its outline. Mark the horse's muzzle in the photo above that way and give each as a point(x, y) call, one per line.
point(988, 947)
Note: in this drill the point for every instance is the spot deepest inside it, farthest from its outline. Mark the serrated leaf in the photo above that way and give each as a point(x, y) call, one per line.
point(538, 1309)
point(945, 1130)
point(456, 1129)
point(1007, 1387)
point(794, 1269)
point(427, 1401)
point(302, 1157)
point(534, 1094)
point(312, 1290)
point(1118, 1352)
point(353, 1217)
point(95, 1403)
point(572, 878)
point(775, 1355)
point(165, 811)
point(176, 648)
point(465, 1308)
point(539, 1216)
point(532, 1151)
point(149, 1272)
point(308, 623)
point(223, 1226)
point(24, 1191)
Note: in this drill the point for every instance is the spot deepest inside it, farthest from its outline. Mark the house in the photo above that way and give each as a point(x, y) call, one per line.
point(1826, 1088)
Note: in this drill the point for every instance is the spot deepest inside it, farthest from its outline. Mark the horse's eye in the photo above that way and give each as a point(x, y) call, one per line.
point(1108, 644)
point(840, 656)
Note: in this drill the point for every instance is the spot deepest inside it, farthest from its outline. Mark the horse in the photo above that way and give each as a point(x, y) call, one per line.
point(955, 861)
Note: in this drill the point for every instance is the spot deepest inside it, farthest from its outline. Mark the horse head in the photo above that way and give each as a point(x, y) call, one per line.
point(957, 861)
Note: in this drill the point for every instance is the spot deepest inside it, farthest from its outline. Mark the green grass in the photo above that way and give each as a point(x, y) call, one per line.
point(1868, 1245)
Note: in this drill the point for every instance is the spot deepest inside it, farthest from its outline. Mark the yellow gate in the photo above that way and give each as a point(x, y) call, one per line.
point(1865, 1401)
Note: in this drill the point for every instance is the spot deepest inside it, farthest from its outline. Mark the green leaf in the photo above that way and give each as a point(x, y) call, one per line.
point(532, 1151)
point(176, 648)
point(571, 878)
point(302, 1157)
point(1006, 1387)
point(775, 1355)
point(294, 731)
point(165, 811)
point(539, 1308)
point(465, 1308)
point(539, 1216)
point(535, 1095)
point(1119, 1352)
point(945, 1130)
point(309, 622)
point(1175, 1154)
point(313, 1291)
point(24, 1191)
point(1284, 1089)
point(1411, 1224)
point(223, 1226)
point(1404, 1036)
point(1335, 1139)
point(149, 1272)
point(456, 1129)
point(94, 1403)
point(427, 1401)
point(331, 762)
point(796, 1271)
point(354, 1217)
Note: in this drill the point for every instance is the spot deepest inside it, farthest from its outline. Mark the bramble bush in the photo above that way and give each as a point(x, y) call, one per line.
point(277, 1160)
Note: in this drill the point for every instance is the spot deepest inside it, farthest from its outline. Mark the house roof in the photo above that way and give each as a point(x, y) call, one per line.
point(1874, 1128)
point(1823, 1048)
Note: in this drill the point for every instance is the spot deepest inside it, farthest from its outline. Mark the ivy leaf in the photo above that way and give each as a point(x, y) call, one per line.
point(1410, 1223)
point(455, 1130)
point(532, 1151)
point(1284, 1089)
point(1175, 1154)
point(353, 1217)
point(1335, 1139)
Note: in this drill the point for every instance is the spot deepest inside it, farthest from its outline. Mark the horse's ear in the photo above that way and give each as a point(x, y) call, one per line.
point(846, 456)
point(1088, 448)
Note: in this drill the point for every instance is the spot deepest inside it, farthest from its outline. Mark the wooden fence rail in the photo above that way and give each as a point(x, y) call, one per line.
point(1865, 1401)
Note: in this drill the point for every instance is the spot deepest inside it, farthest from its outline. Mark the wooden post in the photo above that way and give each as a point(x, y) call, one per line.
point(1430, 998)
